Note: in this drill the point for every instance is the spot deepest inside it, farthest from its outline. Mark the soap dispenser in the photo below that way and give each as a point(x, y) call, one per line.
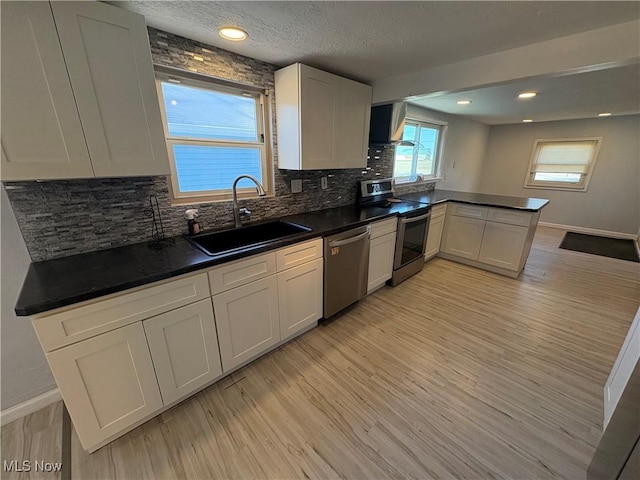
point(194, 225)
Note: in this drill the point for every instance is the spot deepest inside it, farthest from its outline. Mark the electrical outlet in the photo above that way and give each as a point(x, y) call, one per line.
point(296, 186)
point(323, 183)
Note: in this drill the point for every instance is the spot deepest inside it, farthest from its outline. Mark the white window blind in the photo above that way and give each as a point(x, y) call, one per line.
point(564, 164)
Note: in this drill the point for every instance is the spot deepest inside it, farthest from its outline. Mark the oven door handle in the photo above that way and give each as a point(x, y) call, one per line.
point(347, 241)
point(404, 221)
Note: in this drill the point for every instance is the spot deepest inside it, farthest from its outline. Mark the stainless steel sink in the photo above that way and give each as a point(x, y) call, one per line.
point(226, 241)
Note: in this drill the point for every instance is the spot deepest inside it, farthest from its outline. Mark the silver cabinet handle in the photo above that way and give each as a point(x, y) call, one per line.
point(415, 219)
point(347, 241)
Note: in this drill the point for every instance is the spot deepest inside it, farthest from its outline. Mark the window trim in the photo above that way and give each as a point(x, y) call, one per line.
point(438, 157)
point(263, 114)
point(581, 186)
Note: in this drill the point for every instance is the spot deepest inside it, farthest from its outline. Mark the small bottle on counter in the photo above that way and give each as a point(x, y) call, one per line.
point(193, 224)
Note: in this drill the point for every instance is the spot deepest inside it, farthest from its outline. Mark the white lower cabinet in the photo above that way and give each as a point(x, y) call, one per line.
point(381, 251)
point(463, 236)
point(300, 297)
point(436, 226)
point(178, 338)
point(108, 383)
point(184, 349)
point(502, 245)
point(496, 239)
point(247, 318)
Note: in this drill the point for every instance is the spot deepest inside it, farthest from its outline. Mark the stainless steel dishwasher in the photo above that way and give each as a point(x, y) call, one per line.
point(346, 266)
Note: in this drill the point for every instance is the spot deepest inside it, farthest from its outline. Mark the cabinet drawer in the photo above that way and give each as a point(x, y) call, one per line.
point(383, 227)
point(89, 320)
point(241, 272)
point(513, 217)
point(463, 210)
point(438, 211)
point(298, 254)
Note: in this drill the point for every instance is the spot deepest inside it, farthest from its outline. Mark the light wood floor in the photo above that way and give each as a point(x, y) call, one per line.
point(456, 373)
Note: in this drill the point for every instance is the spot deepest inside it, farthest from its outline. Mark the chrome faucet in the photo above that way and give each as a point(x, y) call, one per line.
point(238, 214)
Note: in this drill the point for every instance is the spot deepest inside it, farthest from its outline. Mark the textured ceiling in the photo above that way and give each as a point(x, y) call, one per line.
point(371, 40)
point(584, 95)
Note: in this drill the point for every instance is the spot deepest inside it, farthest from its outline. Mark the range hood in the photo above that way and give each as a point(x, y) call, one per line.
point(387, 124)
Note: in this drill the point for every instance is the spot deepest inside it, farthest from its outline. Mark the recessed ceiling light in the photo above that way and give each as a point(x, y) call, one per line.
point(464, 102)
point(527, 94)
point(527, 120)
point(605, 114)
point(234, 34)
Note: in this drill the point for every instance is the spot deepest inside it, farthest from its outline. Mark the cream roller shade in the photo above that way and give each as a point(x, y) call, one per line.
point(564, 156)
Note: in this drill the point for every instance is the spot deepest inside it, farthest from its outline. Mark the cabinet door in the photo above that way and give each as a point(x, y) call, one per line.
point(184, 349)
point(381, 252)
point(436, 226)
point(353, 109)
point(318, 93)
point(300, 297)
point(463, 237)
point(503, 245)
point(108, 383)
point(247, 321)
point(107, 54)
point(41, 132)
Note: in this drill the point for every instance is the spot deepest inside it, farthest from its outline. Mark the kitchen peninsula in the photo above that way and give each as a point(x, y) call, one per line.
point(65, 281)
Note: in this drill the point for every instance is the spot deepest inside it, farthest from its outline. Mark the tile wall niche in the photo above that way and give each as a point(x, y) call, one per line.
point(67, 217)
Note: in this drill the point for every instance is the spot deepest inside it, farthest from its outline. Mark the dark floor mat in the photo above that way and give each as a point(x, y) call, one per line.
point(604, 246)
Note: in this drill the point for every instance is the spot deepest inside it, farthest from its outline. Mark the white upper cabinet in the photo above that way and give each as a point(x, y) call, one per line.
point(41, 131)
point(104, 103)
point(351, 136)
point(111, 71)
point(323, 119)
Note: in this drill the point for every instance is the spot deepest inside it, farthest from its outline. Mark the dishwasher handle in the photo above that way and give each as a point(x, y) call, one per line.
point(414, 219)
point(347, 241)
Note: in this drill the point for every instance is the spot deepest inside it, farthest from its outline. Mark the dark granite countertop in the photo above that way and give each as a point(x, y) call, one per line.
point(65, 281)
point(500, 201)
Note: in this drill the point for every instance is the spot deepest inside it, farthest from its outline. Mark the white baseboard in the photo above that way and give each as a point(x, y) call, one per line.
point(590, 231)
point(29, 406)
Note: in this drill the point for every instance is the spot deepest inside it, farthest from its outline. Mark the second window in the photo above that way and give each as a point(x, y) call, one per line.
point(417, 157)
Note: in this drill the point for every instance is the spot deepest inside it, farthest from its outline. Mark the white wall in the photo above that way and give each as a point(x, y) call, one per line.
point(612, 201)
point(464, 147)
point(25, 373)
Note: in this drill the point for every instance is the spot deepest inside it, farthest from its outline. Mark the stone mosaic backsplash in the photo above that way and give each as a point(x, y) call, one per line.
point(66, 217)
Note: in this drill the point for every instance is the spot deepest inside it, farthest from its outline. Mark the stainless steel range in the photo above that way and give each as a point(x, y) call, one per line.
point(413, 225)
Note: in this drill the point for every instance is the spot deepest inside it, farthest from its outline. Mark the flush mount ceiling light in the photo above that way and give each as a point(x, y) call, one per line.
point(464, 102)
point(527, 94)
point(234, 34)
point(527, 120)
point(605, 114)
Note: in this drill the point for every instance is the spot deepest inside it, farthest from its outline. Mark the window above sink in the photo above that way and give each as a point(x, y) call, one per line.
point(215, 131)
